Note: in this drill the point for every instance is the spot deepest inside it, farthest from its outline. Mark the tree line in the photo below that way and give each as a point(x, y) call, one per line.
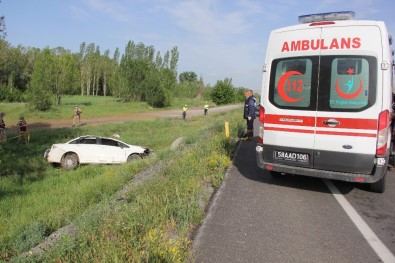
point(42, 77)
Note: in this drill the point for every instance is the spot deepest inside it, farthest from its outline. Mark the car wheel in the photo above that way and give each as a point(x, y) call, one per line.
point(70, 161)
point(379, 186)
point(134, 156)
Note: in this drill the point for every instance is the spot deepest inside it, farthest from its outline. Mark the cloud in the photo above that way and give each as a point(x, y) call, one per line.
point(215, 38)
point(113, 9)
point(209, 19)
point(80, 13)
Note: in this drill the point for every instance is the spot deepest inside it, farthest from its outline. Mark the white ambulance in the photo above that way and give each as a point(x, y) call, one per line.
point(326, 101)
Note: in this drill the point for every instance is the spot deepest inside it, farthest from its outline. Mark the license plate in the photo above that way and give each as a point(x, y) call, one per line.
point(291, 156)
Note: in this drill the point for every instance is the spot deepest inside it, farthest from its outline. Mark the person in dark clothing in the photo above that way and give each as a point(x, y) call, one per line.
point(3, 135)
point(23, 131)
point(249, 114)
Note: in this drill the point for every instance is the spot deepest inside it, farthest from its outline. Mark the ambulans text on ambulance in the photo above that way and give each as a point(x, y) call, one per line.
point(321, 44)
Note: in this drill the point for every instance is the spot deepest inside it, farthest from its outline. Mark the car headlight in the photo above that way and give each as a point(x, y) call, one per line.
point(46, 153)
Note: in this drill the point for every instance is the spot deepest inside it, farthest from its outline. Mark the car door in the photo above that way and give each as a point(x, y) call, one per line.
point(111, 151)
point(87, 150)
point(290, 108)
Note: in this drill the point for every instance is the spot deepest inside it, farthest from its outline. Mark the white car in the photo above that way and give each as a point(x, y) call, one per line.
point(93, 150)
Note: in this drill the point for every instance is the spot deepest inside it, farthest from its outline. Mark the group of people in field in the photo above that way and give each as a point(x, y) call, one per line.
point(23, 131)
point(249, 115)
point(22, 127)
point(185, 108)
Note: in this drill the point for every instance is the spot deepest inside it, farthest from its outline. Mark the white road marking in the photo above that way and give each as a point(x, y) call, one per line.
point(381, 250)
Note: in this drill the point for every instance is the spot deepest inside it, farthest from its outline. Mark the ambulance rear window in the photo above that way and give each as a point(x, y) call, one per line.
point(344, 65)
point(349, 85)
point(324, 83)
point(293, 82)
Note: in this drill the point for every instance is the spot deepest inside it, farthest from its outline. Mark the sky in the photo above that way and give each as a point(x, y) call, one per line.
point(216, 39)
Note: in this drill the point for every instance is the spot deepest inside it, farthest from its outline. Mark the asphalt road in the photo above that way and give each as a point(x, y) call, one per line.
point(255, 217)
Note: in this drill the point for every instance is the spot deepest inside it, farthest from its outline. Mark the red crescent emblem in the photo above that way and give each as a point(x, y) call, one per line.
point(281, 90)
point(348, 96)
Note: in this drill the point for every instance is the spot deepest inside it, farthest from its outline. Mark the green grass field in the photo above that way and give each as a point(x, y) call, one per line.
point(36, 199)
point(92, 106)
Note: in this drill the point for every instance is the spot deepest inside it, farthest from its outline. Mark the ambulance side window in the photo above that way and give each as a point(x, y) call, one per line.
point(291, 83)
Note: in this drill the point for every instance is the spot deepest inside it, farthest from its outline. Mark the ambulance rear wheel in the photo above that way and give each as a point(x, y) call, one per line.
point(379, 186)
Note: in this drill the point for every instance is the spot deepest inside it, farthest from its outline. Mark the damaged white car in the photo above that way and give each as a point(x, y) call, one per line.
point(93, 150)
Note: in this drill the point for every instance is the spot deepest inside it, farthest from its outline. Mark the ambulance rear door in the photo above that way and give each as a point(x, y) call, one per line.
point(349, 104)
point(290, 102)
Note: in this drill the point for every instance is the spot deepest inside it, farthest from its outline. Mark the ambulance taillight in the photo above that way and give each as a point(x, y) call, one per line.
point(262, 121)
point(382, 133)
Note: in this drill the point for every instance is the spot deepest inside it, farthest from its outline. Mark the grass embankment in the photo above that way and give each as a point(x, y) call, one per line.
point(92, 107)
point(153, 225)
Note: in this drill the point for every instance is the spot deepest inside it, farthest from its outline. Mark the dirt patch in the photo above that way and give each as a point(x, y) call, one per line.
point(54, 124)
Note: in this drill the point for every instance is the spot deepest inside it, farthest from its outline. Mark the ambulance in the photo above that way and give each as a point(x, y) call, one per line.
point(326, 100)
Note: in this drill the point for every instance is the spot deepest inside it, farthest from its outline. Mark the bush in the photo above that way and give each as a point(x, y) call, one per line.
point(10, 94)
point(160, 98)
point(39, 100)
point(30, 236)
point(223, 92)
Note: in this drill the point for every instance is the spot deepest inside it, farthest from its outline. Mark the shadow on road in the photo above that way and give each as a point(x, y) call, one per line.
point(246, 163)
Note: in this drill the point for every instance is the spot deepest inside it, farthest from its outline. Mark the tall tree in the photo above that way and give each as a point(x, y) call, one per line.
point(115, 81)
point(43, 81)
point(3, 32)
point(174, 61)
point(82, 66)
point(96, 70)
point(188, 76)
point(107, 70)
point(55, 74)
point(67, 78)
point(89, 61)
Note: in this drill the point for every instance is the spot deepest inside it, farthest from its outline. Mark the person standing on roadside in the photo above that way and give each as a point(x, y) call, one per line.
point(249, 114)
point(23, 131)
point(206, 109)
point(3, 135)
point(77, 115)
point(184, 111)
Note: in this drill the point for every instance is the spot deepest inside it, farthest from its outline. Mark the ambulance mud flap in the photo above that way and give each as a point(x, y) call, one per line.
point(378, 173)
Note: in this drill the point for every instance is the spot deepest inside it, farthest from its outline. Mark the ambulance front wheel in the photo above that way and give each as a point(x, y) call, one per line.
point(379, 186)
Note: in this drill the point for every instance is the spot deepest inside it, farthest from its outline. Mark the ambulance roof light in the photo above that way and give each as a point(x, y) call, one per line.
point(332, 16)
